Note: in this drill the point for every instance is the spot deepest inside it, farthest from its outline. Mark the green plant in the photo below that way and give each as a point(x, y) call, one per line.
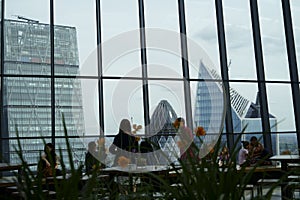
point(193, 180)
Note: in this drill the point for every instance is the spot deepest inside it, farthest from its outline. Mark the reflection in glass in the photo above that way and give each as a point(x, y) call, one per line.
point(122, 99)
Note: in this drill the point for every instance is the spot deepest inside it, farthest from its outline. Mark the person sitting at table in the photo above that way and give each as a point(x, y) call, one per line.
point(49, 162)
point(146, 150)
point(258, 153)
point(243, 158)
point(94, 159)
point(185, 144)
point(124, 143)
point(224, 157)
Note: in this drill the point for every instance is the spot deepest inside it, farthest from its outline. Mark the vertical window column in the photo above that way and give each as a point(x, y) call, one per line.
point(260, 75)
point(290, 43)
point(185, 64)
point(224, 71)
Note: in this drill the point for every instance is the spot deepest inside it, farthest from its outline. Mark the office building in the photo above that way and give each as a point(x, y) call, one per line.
point(27, 100)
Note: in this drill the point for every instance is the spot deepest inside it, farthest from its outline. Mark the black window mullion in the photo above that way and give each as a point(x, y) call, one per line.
point(289, 36)
point(52, 71)
point(185, 64)
point(100, 69)
point(144, 64)
point(260, 75)
point(224, 73)
point(3, 134)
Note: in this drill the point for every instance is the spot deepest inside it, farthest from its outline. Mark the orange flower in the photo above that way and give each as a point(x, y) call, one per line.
point(123, 161)
point(134, 126)
point(137, 138)
point(176, 124)
point(200, 131)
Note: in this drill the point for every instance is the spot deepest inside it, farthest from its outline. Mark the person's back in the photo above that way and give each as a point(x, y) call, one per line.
point(243, 154)
point(90, 161)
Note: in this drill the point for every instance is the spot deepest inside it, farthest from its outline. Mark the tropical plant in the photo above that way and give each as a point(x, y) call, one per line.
point(195, 179)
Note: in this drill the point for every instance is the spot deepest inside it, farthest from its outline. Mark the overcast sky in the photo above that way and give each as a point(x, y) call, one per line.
point(121, 16)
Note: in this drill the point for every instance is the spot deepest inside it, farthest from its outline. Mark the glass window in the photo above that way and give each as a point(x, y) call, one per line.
point(239, 40)
point(295, 11)
point(27, 37)
point(281, 105)
point(273, 40)
point(75, 38)
point(121, 41)
point(122, 99)
point(202, 35)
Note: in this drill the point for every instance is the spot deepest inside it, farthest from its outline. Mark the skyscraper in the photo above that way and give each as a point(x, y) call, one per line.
point(26, 87)
point(209, 110)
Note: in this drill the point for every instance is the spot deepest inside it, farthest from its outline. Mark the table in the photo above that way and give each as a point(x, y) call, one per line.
point(285, 160)
point(137, 171)
point(15, 166)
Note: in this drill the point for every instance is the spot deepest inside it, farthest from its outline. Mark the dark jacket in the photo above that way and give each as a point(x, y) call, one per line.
point(126, 142)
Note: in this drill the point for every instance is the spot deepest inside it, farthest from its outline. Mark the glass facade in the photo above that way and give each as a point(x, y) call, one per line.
point(27, 99)
point(112, 62)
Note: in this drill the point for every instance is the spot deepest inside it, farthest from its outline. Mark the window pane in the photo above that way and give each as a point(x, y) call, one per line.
point(122, 99)
point(273, 40)
point(202, 32)
point(161, 14)
point(75, 37)
point(163, 54)
point(244, 101)
point(295, 9)
point(239, 40)
point(90, 103)
point(121, 41)
point(281, 105)
point(26, 109)
point(27, 37)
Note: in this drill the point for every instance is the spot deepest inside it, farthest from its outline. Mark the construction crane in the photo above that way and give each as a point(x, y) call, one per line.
point(26, 19)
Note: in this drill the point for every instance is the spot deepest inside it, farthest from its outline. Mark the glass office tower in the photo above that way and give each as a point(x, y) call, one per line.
point(27, 99)
point(245, 114)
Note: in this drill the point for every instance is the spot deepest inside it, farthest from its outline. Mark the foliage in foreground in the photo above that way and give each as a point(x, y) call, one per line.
point(193, 180)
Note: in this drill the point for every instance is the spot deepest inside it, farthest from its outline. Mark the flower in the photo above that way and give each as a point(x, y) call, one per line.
point(137, 138)
point(123, 161)
point(136, 128)
point(200, 131)
point(176, 124)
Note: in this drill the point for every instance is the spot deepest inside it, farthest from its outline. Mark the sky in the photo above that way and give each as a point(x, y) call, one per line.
point(118, 21)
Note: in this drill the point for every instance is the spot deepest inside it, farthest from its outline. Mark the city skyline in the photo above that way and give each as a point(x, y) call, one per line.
point(201, 28)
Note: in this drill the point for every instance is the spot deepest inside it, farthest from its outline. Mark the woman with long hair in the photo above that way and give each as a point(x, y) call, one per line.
point(124, 142)
point(48, 164)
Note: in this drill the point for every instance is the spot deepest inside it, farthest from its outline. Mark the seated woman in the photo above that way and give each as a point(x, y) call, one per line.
point(186, 146)
point(49, 161)
point(124, 143)
point(224, 156)
point(258, 153)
